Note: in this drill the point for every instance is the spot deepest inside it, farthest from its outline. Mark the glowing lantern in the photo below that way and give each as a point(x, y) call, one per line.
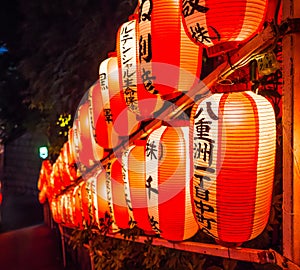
point(55, 183)
point(137, 98)
point(226, 23)
point(115, 194)
point(86, 152)
point(170, 61)
point(67, 211)
point(91, 194)
point(55, 211)
point(62, 169)
point(43, 181)
point(115, 119)
point(234, 151)
point(69, 162)
point(86, 203)
point(134, 177)
point(168, 180)
point(104, 206)
point(77, 206)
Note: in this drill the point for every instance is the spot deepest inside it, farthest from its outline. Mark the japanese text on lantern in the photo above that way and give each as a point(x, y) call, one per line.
point(126, 181)
point(205, 120)
point(192, 11)
point(128, 62)
point(153, 152)
point(145, 46)
point(109, 189)
point(103, 78)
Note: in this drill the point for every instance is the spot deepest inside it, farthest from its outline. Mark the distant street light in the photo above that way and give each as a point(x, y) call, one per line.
point(43, 152)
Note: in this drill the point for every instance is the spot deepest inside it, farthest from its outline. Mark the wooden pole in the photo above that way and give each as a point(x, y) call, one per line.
point(291, 133)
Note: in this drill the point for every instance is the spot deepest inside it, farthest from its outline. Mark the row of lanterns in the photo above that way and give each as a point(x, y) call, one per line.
point(214, 172)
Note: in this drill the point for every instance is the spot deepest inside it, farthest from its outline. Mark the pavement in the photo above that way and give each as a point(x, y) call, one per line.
point(26, 243)
point(31, 248)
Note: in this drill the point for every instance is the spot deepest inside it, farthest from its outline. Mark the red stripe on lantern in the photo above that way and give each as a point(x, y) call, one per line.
point(134, 177)
point(168, 183)
point(232, 187)
point(167, 57)
point(120, 211)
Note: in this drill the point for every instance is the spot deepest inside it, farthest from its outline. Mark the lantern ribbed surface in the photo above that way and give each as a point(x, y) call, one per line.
point(69, 162)
point(86, 152)
point(103, 200)
point(134, 177)
point(77, 206)
point(95, 108)
point(211, 22)
point(55, 211)
point(168, 182)
point(234, 153)
point(115, 119)
point(170, 61)
point(116, 194)
point(136, 97)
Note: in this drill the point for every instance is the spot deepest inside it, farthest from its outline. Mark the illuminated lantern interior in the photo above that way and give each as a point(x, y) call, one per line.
point(168, 180)
point(222, 23)
point(170, 61)
point(234, 151)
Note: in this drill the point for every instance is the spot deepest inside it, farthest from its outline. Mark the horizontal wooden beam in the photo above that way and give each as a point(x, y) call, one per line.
point(259, 256)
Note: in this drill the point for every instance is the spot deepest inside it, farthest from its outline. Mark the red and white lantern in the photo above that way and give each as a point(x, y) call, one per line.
point(134, 177)
point(116, 195)
point(115, 119)
point(88, 151)
point(234, 152)
point(168, 182)
point(170, 61)
point(222, 23)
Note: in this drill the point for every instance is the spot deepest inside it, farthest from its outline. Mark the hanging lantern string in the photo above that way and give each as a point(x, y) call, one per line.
point(202, 90)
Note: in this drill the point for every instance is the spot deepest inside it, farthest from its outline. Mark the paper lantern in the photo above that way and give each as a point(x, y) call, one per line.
point(55, 183)
point(91, 193)
point(86, 203)
point(44, 180)
point(69, 162)
point(134, 177)
point(225, 23)
point(115, 119)
point(77, 205)
point(62, 168)
point(234, 151)
point(170, 61)
point(55, 209)
point(168, 180)
point(67, 209)
point(88, 152)
point(115, 194)
point(136, 97)
point(103, 202)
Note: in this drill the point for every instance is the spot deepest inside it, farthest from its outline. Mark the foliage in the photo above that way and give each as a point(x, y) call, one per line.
point(58, 49)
